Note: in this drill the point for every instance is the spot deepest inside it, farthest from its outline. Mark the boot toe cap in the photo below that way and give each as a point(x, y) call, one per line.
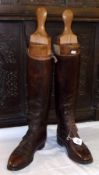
point(87, 158)
point(16, 162)
point(83, 155)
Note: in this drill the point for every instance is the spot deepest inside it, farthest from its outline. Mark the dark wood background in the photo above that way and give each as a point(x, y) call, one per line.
point(17, 22)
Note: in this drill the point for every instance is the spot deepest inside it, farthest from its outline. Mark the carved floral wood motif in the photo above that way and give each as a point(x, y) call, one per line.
point(82, 3)
point(86, 37)
point(11, 74)
point(8, 69)
point(35, 2)
point(69, 3)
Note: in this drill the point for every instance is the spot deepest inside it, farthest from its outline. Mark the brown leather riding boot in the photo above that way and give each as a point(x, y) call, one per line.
point(66, 88)
point(39, 92)
point(66, 82)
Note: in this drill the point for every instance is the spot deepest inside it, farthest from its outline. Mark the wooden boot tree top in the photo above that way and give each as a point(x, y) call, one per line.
point(40, 42)
point(67, 43)
point(68, 37)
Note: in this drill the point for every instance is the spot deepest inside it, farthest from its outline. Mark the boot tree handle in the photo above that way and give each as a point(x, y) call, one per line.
point(41, 14)
point(68, 37)
point(40, 36)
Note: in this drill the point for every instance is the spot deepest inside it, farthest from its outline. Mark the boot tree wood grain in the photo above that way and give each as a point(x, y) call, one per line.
point(68, 37)
point(40, 42)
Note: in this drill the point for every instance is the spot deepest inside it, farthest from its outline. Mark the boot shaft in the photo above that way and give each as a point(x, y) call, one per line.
point(39, 90)
point(66, 88)
point(67, 71)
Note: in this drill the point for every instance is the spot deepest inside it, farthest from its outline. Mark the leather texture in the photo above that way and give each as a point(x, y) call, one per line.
point(66, 89)
point(39, 92)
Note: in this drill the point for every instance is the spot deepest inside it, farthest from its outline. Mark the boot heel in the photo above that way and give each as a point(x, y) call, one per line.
point(41, 146)
point(59, 141)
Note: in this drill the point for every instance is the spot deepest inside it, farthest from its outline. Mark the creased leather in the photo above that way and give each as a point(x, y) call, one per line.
point(66, 85)
point(39, 92)
point(67, 70)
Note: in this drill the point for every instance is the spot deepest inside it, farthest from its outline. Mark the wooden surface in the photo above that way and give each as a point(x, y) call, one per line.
point(40, 42)
point(40, 36)
point(54, 13)
point(67, 36)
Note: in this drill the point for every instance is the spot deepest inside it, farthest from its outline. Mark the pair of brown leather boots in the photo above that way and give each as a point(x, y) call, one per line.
point(66, 76)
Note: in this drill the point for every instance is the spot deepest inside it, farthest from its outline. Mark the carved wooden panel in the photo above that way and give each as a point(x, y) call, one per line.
point(31, 2)
point(86, 37)
point(49, 2)
point(82, 3)
point(96, 74)
point(12, 84)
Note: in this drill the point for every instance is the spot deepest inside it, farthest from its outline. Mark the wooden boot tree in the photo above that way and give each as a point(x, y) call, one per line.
point(68, 37)
point(40, 42)
point(67, 43)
